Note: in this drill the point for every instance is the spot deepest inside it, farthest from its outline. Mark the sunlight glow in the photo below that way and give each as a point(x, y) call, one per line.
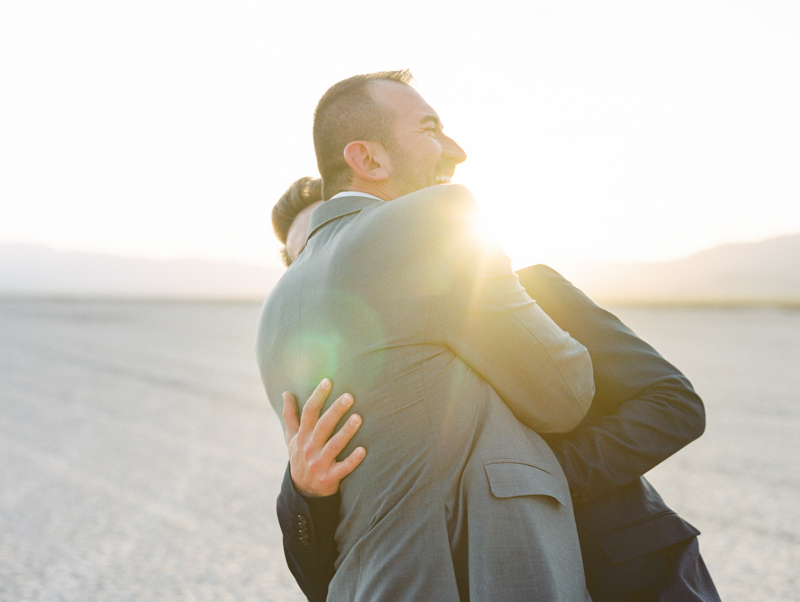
point(169, 131)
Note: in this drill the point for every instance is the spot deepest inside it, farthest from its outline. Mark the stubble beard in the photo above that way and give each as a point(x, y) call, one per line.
point(406, 179)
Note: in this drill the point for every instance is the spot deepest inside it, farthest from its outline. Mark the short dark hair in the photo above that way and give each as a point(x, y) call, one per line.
point(347, 112)
point(304, 192)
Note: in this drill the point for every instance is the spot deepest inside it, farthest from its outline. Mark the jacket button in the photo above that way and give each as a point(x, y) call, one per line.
point(304, 541)
point(302, 519)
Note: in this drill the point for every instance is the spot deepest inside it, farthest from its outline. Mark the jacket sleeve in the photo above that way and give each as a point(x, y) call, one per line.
point(308, 527)
point(543, 375)
point(644, 409)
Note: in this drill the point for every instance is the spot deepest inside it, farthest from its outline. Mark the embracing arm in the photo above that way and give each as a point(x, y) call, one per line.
point(644, 409)
point(308, 504)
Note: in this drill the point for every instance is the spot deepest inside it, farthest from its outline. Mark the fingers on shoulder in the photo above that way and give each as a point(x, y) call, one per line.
point(318, 397)
point(289, 408)
point(349, 464)
point(344, 435)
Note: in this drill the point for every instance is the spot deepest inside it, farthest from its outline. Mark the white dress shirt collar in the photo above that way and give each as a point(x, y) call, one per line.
point(353, 193)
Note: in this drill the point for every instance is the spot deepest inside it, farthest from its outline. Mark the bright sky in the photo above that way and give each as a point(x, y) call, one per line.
point(629, 131)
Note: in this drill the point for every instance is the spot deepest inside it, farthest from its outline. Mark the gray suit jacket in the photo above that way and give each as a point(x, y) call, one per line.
point(401, 304)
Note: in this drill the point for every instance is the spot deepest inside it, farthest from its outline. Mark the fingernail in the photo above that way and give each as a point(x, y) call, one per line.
point(355, 419)
point(325, 384)
point(361, 452)
point(347, 399)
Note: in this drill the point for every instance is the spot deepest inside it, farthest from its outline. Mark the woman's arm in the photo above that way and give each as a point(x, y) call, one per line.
point(308, 504)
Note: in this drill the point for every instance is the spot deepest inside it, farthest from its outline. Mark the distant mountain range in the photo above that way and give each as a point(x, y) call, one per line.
point(742, 273)
point(28, 270)
point(761, 272)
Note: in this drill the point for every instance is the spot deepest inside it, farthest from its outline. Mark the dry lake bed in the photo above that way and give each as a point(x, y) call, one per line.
point(140, 460)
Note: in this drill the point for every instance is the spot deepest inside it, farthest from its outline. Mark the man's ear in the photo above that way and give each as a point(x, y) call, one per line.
point(368, 160)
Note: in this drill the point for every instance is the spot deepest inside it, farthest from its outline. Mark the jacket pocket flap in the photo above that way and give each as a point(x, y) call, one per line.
point(645, 537)
point(512, 479)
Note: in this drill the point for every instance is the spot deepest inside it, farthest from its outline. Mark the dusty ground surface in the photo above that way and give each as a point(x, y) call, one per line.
point(139, 459)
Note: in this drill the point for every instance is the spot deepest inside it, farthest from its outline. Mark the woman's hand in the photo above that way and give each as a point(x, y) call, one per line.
point(313, 446)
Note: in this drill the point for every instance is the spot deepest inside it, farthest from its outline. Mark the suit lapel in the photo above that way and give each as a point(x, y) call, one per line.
point(336, 208)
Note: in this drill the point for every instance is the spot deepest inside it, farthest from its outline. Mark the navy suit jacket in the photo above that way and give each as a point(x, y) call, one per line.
point(644, 410)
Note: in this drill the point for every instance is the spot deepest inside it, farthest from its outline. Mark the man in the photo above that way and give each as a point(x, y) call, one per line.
point(402, 305)
point(634, 546)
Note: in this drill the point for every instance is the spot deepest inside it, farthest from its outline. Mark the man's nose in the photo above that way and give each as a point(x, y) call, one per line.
point(452, 151)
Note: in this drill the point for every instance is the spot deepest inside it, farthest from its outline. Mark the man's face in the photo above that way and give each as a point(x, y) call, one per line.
point(422, 155)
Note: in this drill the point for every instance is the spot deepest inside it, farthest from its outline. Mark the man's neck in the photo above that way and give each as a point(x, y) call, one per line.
point(377, 189)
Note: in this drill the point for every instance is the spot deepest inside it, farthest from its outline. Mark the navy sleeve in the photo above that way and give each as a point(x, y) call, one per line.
point(308, 527)
point(644, 409)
